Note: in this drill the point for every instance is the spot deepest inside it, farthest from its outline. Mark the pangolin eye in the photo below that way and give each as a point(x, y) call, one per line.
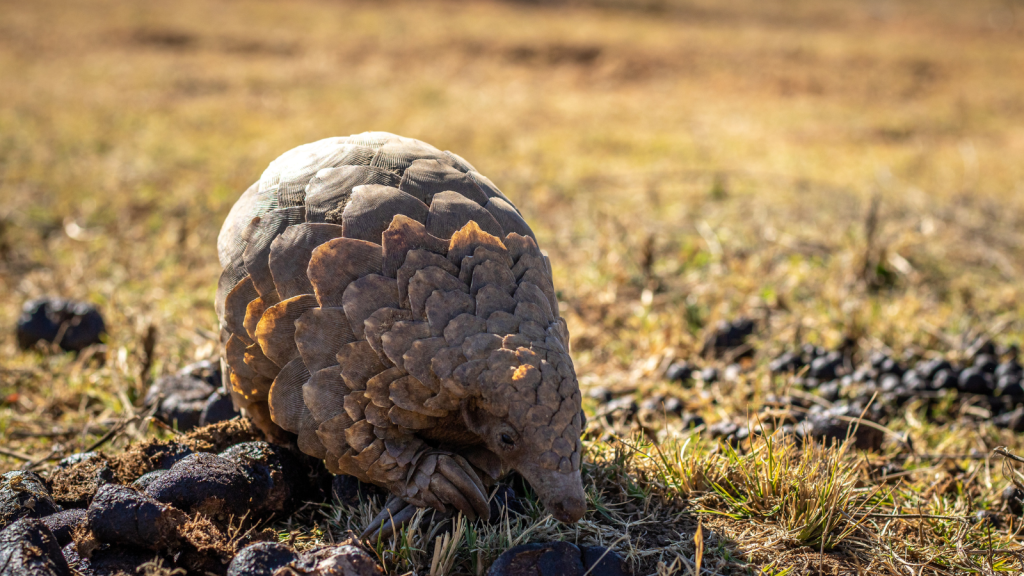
point(507, 440)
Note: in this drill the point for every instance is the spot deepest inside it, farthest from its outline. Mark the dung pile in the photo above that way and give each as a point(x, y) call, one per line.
point(192, 503)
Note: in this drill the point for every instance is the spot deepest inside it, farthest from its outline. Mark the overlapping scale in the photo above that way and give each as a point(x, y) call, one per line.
point(373, 282)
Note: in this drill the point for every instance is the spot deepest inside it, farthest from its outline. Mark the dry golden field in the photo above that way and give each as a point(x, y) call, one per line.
point(682, 162)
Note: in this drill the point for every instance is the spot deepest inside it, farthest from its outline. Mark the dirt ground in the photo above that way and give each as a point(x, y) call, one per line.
point(847, 174)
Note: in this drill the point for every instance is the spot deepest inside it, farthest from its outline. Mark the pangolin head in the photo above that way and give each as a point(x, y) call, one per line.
point(528, 413)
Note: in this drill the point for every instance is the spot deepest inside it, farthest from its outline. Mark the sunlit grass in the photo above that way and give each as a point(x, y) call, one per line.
point(681, 161)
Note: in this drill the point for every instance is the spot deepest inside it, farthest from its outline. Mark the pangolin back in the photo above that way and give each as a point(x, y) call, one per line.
point(367, 280)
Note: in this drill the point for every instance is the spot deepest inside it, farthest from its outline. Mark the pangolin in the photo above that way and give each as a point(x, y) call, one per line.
point(384, 307)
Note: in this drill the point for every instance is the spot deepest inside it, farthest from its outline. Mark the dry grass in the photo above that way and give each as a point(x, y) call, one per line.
point(681, 161)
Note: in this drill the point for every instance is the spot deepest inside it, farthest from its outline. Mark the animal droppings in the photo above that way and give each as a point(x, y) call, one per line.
point(123, 515)
point(350, 491)
point(24, 495)
point(344, 560)
point(278, 481)
point(262, 559)
point(548, 559)
point(601, 561)
point(28, 548)
point(69, 324)
point(504, 503)
point(62, 524)
point(208, 484)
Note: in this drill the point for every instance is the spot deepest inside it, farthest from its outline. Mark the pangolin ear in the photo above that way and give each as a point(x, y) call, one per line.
point(476, 417)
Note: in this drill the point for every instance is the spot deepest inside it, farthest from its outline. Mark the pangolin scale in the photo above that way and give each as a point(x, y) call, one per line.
point(384, 307)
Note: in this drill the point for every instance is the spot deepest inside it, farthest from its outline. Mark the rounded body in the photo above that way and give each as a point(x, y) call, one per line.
point(386, 308)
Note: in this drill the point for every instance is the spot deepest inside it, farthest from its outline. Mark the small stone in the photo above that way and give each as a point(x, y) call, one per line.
point(692, 420)
point(261, 559)
point(863, 374)
point(890, 383)
point(62, 524)
point(927, 369)
point(28, 548)
point(877, 359)
point(732, 373)
point(661, 404)
point(826, 367)
point(71, 325)
point(723, 429)
point(24, 495)
point(601, 561)
point(547, 559)
point(810, 351)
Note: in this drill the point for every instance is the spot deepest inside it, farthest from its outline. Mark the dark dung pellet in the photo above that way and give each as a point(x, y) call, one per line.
point(218, 408)
point(344, 560)
point(351, 491)
point(62, 524)
point(539, 559)
point(504, 503)
point(24, 495)
point(71, 325)
point(28, 548)
point(709, 374)
point(1013, 499)
point(146, 479)
point(679, 372)
point(116, 560)
point(974, 380)
point(601, 561)
point(180, 399)
point(123, 515)
point(261, 559)
point(206, 483)
point(278, 480)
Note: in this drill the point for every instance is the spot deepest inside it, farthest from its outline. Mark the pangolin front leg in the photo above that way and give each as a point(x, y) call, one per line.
point(441, 480)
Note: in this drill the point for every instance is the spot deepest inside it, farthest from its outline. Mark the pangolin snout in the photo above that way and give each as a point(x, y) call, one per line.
point(562, 494)
point(569, 509)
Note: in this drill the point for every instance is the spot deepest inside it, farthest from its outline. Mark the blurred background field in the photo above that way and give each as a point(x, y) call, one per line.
point(835, 170)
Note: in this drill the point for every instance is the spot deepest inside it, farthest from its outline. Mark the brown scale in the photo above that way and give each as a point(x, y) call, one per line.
point(386, 308)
